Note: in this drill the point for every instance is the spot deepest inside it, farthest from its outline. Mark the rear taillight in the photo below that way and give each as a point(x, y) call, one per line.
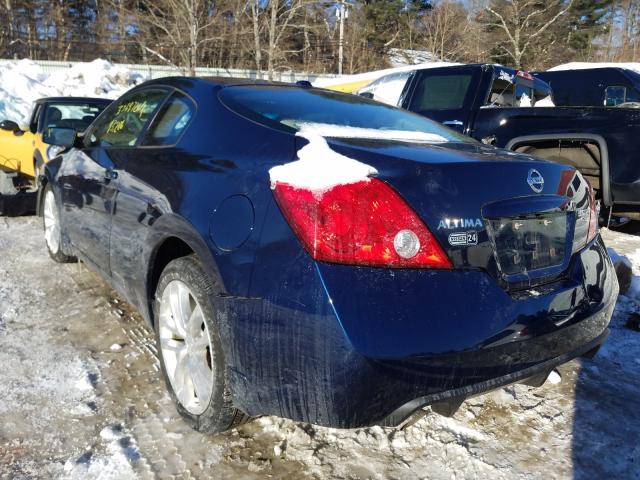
point(363, 223)
point(587, 212)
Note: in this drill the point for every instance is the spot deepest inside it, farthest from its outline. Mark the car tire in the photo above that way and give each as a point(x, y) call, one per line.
point(189, 346)
point(52, 227)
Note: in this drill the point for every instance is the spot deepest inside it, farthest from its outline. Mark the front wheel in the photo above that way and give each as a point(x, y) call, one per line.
point(190, 349)
point(52, 230)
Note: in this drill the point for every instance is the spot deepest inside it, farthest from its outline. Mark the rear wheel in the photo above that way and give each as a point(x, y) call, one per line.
point(52, 230)
point(190, 350)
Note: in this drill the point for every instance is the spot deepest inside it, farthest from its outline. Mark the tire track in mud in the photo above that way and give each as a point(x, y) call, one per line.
point(150, 425)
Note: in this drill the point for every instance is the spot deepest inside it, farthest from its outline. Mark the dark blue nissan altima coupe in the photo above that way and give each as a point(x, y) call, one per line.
point(323, 257)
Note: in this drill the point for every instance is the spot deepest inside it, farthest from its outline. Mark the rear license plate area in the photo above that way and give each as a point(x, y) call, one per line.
point(529, 244)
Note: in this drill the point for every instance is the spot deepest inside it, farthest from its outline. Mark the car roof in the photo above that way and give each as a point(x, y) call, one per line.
point(73, 100)
point(180, 82)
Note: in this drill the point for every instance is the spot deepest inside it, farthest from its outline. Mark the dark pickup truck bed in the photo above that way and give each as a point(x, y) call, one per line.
point(513, 110)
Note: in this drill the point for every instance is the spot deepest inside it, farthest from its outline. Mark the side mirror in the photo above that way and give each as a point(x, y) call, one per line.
point(10, 126)
point(368, 95)
point(62, 137)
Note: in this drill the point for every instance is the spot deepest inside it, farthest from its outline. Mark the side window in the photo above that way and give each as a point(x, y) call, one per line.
point(122, 123)
point(440, 92)
point(632, 96)
point(524, 96)
point(170, 122)
point(614, 96)
point(502, 93)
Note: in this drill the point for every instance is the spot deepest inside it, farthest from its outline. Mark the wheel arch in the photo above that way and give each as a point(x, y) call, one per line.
point(174, 238)
point(599, 140)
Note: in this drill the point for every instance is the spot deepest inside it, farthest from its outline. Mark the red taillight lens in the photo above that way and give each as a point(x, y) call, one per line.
point(363, 223)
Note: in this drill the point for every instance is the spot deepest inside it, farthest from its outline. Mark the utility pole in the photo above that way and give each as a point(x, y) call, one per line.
point(342, 14)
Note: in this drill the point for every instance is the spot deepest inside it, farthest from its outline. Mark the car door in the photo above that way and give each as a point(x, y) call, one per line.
point(145, 181)
point(16, 148)
point(445, 95)
point(90, 176)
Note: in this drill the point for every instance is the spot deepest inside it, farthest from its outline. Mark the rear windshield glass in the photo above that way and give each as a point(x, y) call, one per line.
point(338, 114)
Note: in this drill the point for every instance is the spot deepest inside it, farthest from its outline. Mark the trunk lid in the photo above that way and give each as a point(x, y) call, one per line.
point(513, 215)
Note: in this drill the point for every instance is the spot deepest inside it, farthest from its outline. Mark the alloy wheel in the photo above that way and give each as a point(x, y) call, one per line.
point(186, 347)
point(51, 222)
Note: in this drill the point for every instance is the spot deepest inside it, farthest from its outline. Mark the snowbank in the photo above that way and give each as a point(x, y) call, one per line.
point(23, 82)
point(635, 66)
point(399, 57)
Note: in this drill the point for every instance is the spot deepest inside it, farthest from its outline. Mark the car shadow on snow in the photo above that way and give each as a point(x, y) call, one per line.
point(606, 425)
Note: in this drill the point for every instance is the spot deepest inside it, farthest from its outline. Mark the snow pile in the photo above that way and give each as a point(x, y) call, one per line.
point(23, 82)
point(635, 66)
point(319, 167)
point(387, 89)
point(399, 57)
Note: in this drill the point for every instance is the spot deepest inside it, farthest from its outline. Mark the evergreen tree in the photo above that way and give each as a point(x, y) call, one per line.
point(587, 20)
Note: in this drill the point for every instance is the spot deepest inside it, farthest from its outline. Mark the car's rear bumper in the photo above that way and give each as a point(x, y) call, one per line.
point(369, 346)
point(449, 400)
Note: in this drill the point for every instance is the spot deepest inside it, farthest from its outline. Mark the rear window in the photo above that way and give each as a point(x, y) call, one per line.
point(291, 108)
point(522, 93)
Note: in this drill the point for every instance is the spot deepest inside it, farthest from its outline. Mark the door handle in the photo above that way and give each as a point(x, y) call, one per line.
point(452, 122)
point(110, 174)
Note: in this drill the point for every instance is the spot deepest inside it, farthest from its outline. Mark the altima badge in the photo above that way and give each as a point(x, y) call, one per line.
point(453, 223)
point(535, 180)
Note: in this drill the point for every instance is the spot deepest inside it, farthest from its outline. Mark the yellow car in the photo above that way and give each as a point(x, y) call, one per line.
point(22, 150)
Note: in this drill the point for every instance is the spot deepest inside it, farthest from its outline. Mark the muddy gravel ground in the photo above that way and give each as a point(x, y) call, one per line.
point(81, 396)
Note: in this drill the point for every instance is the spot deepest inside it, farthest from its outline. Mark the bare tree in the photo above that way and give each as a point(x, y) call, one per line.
point(181, 24)
point(447, 31)
point(522, 22)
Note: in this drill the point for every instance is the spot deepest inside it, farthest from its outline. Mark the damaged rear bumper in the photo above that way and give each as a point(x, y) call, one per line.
point(371, 346)
point(447, 402)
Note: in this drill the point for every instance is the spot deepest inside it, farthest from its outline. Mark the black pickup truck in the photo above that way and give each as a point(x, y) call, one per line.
point(513, 110)
point(598, 87)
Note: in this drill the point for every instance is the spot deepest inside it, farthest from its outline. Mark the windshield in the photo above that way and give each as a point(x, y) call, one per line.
point(67, 115)
point(332, 114)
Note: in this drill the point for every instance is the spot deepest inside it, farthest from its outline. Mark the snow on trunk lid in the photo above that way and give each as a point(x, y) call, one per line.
point(319, 168)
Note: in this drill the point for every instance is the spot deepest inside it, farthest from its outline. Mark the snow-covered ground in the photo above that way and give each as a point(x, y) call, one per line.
point(22, 82)
point(81, 398)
